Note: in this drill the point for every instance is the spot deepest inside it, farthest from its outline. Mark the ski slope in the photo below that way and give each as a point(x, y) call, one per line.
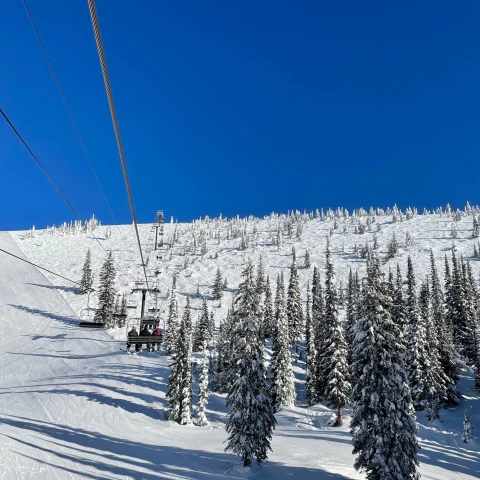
point(73, 405)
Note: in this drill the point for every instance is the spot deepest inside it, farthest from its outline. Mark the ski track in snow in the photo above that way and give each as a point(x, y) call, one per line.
point(72, 405)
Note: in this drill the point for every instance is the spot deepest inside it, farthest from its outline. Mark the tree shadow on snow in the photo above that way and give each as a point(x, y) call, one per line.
point(56, 287)
point(456, 459)
point(97, 456)
point(66, 320)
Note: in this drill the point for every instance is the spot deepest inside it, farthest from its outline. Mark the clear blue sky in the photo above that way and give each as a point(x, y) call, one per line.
point(242, 107)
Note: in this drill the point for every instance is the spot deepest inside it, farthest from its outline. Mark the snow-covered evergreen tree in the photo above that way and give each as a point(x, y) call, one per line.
point(351, 315)
point(217, 289)
point(416, 358)
point(311, 355)
point(307, 262)
point(283, 392)
point(435, 380)
point(107, 293)
point(383, 422)
point(334, 361)
point(260, 281)
point(224, 372)
point(467, 428)
point(179, 394)
point(444, 334)
point(318, 319)
point(202, 329)
point(294, 306)
point(268, 312)
point(172, 320)
point(251, 419)
point(203, 392)
point(86, 284)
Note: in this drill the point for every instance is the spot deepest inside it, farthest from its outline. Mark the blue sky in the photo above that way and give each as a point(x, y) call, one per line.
point(241, 107)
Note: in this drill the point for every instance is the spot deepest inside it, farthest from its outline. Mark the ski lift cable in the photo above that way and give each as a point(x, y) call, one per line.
point(38, 266)
point(77, 131)
point(49, 177)
point(106, 80)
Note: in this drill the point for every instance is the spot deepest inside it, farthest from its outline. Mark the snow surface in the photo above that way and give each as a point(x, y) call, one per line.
point(74, 406)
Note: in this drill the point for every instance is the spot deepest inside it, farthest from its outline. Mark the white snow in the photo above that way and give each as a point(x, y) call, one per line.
point(74, 406)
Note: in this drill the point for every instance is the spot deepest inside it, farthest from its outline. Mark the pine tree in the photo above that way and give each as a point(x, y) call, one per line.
point(334, 362)
point(86, 284)
point(435, 380)
point(217, 290)
point(251, 419)
point(294, 306)
point(179, 394)
point(383, 422)
point(268, 312)
point(471, 339)
point(416, 358)
point(202, 329)
point(444, 333)
point(307, 263)
point(311, 360)
point(392, 248)
point(467, 428)
point(225, 374)
point(351, 310)
point(211, 326)
point(107, 294)
point(399, 310)
point(260, 277)
point(203, 393)
point(318, 319)
point(283, 383)
point(172, 320)
point(476, 228)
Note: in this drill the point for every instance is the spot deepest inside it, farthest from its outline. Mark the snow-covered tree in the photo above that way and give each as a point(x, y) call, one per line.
point(86, 284)
point(311, 354)
point(444, 334)
point(307, 262)
point(217, 289)
point(260, 281)
point(294, 306)
point(392, 248)
point(179, 394)
point(203, 392)
point(435, 380)
point(334, 361)
point(202, 329)
point(351, 315)
point(416, 358)
point(224, 372)
point(106, 293)
point(283, 392)
point(467, 428)
point(383, 422)
point(251, 419)
point(318, 319)
point(268, 312)
point(172, 319)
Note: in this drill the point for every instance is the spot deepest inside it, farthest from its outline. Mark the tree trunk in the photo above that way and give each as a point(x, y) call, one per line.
point(339, 420)
point(247, 462)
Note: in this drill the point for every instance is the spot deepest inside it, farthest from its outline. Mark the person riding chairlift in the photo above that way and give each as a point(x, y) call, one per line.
point(146, 333)
point(133, 333)
point(157, 333)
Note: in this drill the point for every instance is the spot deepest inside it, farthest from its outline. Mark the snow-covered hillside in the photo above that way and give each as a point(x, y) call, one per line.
point(99, 413)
